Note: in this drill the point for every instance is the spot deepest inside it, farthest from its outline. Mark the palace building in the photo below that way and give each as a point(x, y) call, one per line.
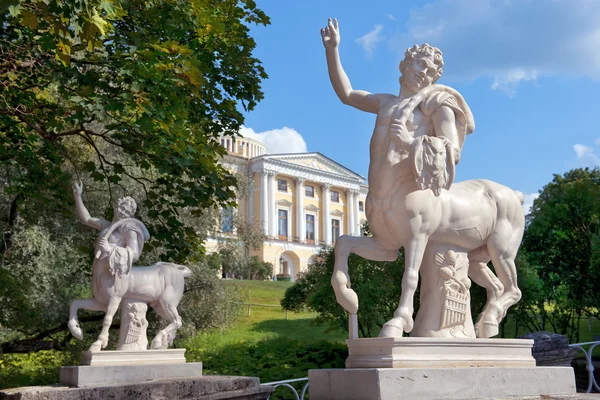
point(302, 201)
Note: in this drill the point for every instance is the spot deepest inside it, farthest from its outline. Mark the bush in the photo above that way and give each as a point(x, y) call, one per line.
point(272, 360)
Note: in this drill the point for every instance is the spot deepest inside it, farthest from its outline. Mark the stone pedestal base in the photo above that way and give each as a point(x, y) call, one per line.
point(133, 357)
point(202, 388)
point(87, 376)
point(431, 352)
point(439, 383)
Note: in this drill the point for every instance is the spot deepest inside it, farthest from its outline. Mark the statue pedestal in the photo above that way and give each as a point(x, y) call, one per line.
point(432, 352)
point(440, 383)
point(128, 367)
point(131, 357)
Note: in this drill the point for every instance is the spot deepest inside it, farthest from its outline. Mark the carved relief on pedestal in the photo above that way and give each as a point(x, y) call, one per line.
point(134, 324)
point(456, 299)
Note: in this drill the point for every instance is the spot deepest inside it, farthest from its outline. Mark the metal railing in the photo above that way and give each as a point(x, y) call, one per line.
point(589, 364)
point(286, 383)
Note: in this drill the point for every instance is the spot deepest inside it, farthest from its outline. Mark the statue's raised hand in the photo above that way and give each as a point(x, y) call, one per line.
point(331, 34)
point(77, 189)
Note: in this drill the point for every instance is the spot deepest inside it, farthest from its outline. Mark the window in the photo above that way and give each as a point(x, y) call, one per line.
point(310, 228)
point(309, 191)
point(335, 229)
point(282, 185)
point(335, 196)
point(283, 224)
point(361, 206)
point(227, 219)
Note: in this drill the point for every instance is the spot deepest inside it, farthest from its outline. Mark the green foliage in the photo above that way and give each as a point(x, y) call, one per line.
point(274, 360)
point(378, 285)
point(155, 81)
point(208, 302)
point(40, 276)
point(561, 245)
point(32, 369)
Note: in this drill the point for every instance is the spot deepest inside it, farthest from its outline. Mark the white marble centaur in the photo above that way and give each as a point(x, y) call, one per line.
point(115, 282)
point(449, 231)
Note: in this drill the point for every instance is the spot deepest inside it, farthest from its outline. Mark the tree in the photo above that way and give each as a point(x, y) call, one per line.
point(87, 81)
point(561, 243)
point(129, 97)
point(378, 285)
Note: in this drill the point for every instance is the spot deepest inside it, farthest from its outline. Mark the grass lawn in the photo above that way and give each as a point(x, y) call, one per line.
point(265, 323)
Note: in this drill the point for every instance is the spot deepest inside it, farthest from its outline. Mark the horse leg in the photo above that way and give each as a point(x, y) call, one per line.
point(365, 247)
point(86, 304)
point(483, 276)
point(403, 320)
point(168, 311)
point(503, 247)
point(111, 309)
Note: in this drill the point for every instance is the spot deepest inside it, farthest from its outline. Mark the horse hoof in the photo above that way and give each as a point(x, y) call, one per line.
point(96, 346)
point(392, 328)
point(75, 330)
point(487, 329)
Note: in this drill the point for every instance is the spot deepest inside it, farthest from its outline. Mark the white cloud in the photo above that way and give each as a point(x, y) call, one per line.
point(509, 81)
point(587, 154)
point(508, 42)
point(391, 17)
point(284, 140)
point(369, 41)
point(528, 203)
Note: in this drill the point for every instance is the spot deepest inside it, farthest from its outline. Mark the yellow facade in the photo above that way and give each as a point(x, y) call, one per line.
point(301, 201)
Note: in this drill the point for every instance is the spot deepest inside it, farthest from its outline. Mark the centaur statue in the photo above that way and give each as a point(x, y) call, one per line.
point(114, 278)
point(413, 203)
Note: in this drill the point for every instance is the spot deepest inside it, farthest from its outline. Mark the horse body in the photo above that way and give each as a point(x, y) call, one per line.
point(161, 285)
point(482, 217)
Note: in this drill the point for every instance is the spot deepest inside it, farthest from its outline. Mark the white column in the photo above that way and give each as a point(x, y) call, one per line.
point(264, 205)
point(326, 216)
point(250, 214)
point(356, 213)
point(272, 210)
point(350, 205)
point(234, 146)
point(300, 229)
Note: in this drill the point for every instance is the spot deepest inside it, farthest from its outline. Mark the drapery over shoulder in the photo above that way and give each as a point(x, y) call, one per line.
point(120, 259)
point(440, 95)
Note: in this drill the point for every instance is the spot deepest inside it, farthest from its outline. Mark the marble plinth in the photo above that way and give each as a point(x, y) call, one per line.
point(418, 352)
point(95, 375)
point(440, 383)
point(133, 357)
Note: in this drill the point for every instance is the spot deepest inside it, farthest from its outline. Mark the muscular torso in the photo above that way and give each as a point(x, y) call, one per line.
point(389, 165)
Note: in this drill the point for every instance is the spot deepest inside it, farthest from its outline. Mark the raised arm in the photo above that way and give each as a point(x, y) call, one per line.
point(82, 211)
point(360, 99)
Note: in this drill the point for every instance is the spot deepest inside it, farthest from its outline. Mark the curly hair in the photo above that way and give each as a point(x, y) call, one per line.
point(127, 206)
point(424, 51)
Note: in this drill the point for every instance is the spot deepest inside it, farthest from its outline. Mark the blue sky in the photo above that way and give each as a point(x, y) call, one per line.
point(528, 69)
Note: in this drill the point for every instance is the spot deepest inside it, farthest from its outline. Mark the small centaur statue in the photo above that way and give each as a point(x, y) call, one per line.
point(114, 278)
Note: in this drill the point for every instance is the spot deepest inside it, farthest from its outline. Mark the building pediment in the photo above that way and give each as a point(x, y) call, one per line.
point(283, 203)
point(337, 213)
point(311, 208)
point(311, 166)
